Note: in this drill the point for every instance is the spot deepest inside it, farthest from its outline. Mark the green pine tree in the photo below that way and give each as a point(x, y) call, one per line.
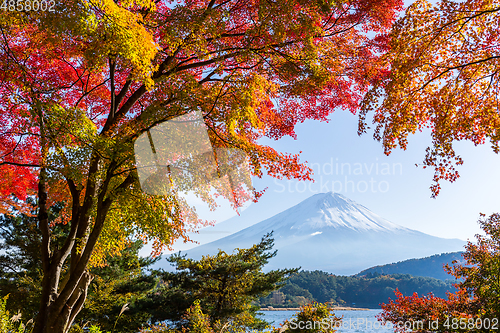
point(225, 284)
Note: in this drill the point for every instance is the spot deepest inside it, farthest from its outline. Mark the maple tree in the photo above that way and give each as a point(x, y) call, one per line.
point(473, 307)
point(480, 274)
point(444, 63)
point(426, 313)
point(79, 85)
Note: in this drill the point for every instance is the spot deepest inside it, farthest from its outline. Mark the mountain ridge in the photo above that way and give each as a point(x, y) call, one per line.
point(331, 232)
point(432, 266)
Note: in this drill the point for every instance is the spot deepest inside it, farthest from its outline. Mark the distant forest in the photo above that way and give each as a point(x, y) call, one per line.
point(367, 291)
point(429, 266)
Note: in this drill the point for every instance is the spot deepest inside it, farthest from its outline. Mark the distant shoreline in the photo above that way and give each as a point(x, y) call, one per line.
point(338, 308)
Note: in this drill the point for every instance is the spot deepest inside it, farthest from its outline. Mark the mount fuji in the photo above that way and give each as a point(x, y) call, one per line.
point(332, 233)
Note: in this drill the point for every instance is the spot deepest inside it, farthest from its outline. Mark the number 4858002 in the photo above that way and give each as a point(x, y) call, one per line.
point(27, 5)
point(471, 323)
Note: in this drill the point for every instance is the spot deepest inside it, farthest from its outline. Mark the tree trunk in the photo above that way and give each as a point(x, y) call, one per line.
point(50, 321)
point(62, 300)
point(52, 317)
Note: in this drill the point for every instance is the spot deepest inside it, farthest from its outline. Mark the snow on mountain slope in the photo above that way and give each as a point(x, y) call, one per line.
point(332, 233)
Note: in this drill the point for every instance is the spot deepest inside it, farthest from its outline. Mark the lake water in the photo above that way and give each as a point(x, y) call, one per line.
point(352, 321)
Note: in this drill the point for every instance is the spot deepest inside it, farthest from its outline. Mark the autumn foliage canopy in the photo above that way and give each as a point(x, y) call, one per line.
point(80, 84)
point(444, 62)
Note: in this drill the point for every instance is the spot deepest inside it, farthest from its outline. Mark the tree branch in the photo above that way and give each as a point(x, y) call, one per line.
point(449, 69)
point(122, 93)
point(21, 164)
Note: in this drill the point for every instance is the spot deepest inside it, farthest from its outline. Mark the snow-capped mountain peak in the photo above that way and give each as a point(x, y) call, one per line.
point(333, 233)
point(333, 210)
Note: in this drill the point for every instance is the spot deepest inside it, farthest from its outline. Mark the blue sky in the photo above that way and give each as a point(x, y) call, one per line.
point(400, 191)
point(391, 186)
